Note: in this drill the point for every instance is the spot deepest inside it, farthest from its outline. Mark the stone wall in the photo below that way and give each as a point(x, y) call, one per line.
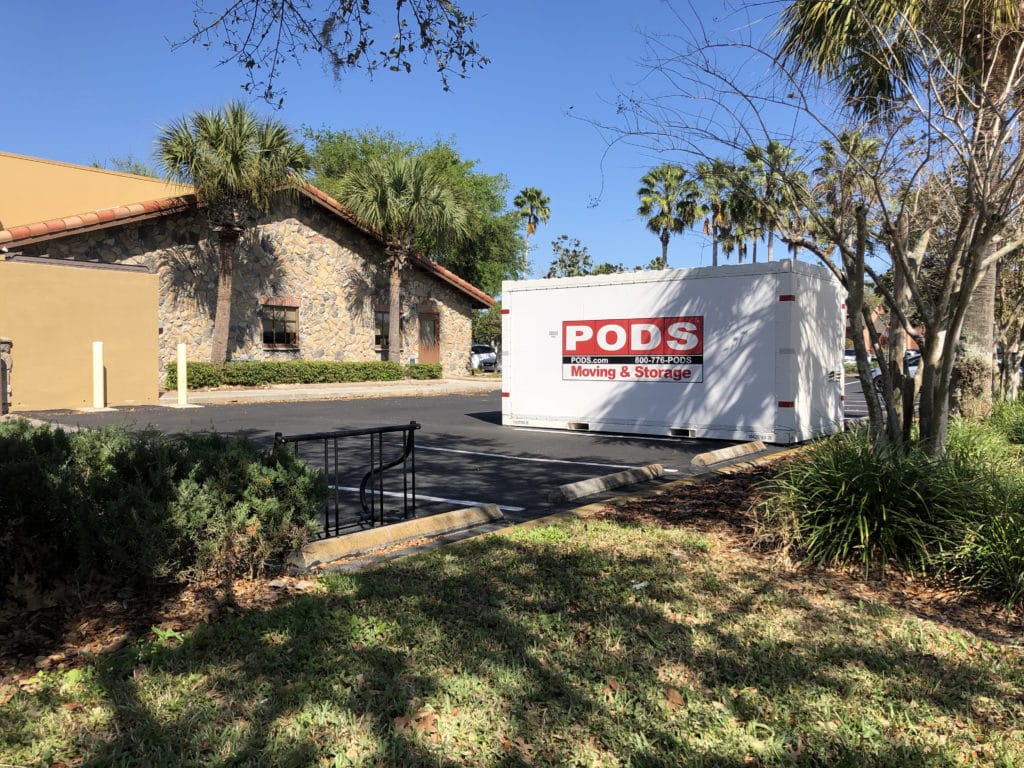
point(299, 252)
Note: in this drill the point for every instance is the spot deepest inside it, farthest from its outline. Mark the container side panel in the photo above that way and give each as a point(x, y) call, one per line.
point(657, 356)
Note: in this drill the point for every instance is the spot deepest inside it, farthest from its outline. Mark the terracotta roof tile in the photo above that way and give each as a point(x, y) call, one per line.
point(70, 224)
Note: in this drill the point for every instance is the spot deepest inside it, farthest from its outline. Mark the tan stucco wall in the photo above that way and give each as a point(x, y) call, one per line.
point(35, 190)
point(297, 252)
point(53, 314)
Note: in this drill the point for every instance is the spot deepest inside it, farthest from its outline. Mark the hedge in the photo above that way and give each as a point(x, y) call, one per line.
point(260, 373)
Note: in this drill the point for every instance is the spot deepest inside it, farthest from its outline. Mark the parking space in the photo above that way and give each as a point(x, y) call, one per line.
point(464, 456)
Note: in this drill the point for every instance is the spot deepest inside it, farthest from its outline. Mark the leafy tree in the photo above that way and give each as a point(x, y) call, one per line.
point(335, 153)
point(491, 248)
point(128, 164)
point(534, 208)
point(237, 164)
point(670, 202)
point(261, 37)
point(572, 259)
point(881, 53)
point(403, 198)
point(947, 187)
point(487, 325)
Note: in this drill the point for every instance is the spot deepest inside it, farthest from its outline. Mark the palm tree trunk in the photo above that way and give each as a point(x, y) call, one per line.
point(664, 248)
point(976, 401)
point(227, 242)
point(395, 308)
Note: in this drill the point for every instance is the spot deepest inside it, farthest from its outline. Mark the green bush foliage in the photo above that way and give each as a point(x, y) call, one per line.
point(144, 507)
point(423, 371)
point(1008, 420)
point(847, 500)
point(262, 373)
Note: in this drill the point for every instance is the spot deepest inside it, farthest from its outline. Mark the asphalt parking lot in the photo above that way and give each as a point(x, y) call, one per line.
point(464, 457)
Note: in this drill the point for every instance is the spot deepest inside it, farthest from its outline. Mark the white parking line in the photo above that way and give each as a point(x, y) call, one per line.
point(459, 502)
point(420, 447)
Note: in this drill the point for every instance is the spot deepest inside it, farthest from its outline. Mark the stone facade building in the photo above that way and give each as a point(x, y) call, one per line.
point(310, 283)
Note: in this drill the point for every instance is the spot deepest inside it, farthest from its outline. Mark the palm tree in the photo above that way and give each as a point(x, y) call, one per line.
point(715, 179)
point(670, 202)
point(237, 164)
point(534, 207)
point(868, 48)
point(402, 197)
point(772, 180)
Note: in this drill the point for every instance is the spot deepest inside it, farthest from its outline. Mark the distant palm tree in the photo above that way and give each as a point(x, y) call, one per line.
point(670, 202)
point(772, 180)
point(402, 198)
point(716, 179)
point(534, 207)
point(237, 163)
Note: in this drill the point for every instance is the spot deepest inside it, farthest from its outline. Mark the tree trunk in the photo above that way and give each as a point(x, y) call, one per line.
point(771, 244)
point(972, 386)
point(395, 308)
point(664, 248)
point(227, 243)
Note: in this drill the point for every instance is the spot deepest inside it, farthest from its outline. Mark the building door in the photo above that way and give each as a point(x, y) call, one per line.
point(430, 339)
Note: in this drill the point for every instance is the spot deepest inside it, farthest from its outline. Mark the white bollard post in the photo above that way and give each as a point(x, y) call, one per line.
point(182, 377)
point(99, 399)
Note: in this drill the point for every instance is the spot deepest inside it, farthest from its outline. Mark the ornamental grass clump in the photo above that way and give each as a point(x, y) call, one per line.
point(848, 500)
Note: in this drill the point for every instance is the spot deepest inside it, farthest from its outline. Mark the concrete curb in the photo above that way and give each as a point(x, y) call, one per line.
point(723, 454)
point(328, 550)
point(283, 393)
point(593, 485)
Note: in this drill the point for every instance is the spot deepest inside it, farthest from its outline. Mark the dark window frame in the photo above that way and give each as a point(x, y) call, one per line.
point(275, 317)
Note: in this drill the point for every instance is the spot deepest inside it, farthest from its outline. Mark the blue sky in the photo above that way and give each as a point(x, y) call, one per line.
point(90, 81)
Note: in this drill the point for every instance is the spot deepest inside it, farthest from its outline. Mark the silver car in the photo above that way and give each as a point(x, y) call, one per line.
point(482, 357)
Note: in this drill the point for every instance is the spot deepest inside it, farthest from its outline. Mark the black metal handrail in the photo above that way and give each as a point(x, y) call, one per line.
point(372, 483)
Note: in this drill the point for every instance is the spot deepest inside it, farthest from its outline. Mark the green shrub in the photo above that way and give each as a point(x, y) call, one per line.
point(142, 507)
point(1008, 420)
point(263, 373)
point(37, 497)
point(423, 371)
point(847, 500)
point(199, 375)
point(989, 555)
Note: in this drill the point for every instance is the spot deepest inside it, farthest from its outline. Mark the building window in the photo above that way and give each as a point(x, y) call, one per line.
point(280, 324)
point(381, 321)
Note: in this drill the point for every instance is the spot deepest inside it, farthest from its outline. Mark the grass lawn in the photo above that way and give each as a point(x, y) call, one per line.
point(597, 642)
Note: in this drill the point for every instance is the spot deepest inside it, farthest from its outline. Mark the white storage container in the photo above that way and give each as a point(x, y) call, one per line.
point(742, 352)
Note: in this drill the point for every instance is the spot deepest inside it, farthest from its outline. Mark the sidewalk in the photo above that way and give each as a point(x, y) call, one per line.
point(277, 393)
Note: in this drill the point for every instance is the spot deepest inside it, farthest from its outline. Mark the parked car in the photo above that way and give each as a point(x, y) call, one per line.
point(850, 356)
point(911, 360)
point(482, 357)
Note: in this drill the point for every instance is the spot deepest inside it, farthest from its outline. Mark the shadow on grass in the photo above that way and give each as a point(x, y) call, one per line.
point(597, 644)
